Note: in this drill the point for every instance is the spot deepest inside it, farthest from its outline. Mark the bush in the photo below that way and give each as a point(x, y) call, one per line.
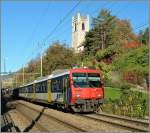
point(125, 86)
point(131, 103)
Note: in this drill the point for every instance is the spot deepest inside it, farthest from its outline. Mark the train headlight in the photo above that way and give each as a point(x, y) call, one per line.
point(99, 95)
point(77, 95)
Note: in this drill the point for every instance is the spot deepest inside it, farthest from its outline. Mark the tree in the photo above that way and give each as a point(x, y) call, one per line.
point(107, 30)
point(144, 36)
point(135, 60)
point(57, 56)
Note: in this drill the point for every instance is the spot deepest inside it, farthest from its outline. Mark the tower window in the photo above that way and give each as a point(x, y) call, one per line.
point(75, 27)
point(83, 26)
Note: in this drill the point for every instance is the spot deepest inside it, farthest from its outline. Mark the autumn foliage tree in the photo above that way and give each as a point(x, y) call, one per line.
point(57, 56)
point(107, 30)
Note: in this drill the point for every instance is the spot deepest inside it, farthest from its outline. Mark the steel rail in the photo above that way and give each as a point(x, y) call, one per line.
point(111, 121)
point(134, 121)
point(69, 125)
point(32, 123)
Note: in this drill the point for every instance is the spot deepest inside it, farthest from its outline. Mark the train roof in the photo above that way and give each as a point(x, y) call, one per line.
point(27, 84)
point(57, 73)
point(60, 72)
point(54, 74)
point(40, 79)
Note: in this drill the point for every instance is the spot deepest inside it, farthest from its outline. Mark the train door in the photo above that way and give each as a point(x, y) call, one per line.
point(49, 90)
point(66, 90)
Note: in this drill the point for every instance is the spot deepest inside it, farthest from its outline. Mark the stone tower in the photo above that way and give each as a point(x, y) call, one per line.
point(80, 25)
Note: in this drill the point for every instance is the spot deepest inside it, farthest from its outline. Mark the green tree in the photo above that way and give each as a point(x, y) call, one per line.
point(144, 36)
point(58, 57)
point(135, 60)
point(107, 30)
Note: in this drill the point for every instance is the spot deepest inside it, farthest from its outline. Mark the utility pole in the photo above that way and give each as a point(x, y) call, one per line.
point(41, 59)
point(41, 65)
point(82, 64)
point(23, 74)
point(16, 79)
point(4, 65)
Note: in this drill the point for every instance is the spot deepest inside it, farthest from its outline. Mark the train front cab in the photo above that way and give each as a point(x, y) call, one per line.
point(87, 90)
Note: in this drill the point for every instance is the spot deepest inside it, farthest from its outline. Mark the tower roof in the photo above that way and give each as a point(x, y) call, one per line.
point(78, 14)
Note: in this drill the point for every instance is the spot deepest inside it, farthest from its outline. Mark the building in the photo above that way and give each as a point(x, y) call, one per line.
point(80, 25)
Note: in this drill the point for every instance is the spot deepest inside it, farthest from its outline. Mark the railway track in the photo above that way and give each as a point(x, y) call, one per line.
point(121, 122)
point(42, 126)
point(115, 122)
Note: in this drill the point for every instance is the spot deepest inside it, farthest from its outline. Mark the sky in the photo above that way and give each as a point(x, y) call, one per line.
point(29, 27)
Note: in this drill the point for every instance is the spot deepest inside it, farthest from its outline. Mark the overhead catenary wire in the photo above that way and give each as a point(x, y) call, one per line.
point(60, 22)
point(43, 14)
point(43, 42)
point(61, 33)
point(55, 28)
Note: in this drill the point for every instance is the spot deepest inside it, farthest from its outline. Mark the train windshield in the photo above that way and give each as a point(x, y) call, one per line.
point(86, 80)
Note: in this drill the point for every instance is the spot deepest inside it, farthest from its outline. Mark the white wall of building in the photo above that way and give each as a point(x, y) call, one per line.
point(78, 32)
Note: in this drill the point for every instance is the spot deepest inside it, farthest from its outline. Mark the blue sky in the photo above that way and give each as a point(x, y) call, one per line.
point(25, 24)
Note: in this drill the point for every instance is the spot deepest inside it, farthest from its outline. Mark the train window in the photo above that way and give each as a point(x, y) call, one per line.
point(83, 26)
point(28, 89)
point(58, 85)
point(86, 80)
point(31, 89)
point(54, 85)
point(36, 88)
point(45, 86)
point(41, 89)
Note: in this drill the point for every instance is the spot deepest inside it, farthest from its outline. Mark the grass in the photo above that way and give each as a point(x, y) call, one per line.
point(138, 102)
point(113, 93)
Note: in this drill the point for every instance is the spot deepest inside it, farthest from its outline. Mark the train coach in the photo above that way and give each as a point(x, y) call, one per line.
point(79, 90)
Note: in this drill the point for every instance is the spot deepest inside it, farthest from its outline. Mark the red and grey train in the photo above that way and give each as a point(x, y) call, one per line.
point(80, 89)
